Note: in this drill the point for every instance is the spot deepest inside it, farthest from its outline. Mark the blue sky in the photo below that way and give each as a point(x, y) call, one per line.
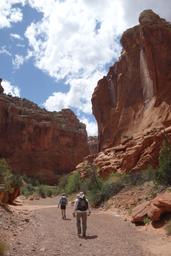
point(53, 52)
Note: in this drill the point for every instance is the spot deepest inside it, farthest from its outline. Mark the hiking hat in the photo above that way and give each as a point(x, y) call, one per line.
point(81, 194)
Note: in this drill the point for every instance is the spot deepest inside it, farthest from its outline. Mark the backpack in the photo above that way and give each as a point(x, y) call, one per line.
point(82, 204)
point(63, 201)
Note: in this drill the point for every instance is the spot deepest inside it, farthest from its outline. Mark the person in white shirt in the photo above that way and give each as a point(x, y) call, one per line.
point(81, 211)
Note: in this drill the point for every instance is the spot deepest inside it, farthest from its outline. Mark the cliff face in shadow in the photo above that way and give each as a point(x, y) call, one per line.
point(39, 143)
point(135, 96)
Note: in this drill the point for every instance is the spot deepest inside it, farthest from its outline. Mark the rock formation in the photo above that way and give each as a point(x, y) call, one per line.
point(39, 143)
point(93, 144)
point(132, 104)
point(135, 96)
point(154, 209)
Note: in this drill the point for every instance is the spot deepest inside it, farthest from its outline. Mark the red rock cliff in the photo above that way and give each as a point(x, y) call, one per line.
point(135, 96)
point(40, 143)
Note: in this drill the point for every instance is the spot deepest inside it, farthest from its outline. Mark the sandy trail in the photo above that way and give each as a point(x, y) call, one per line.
point(46, 234)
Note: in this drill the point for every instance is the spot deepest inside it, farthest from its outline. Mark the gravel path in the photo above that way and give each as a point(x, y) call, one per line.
point(46, 234)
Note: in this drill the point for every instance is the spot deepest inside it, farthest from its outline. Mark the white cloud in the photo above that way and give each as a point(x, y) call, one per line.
point(68, 44)
point(91, 127)
point(78, 96)
point(10, 14)
point(65, 43)
point(16, 36)
point(3, 50)
point(18, 61)
point(76, 39)
point(10, 89)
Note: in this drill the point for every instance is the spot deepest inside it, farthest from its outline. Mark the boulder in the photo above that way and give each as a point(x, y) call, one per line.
point(153, 209)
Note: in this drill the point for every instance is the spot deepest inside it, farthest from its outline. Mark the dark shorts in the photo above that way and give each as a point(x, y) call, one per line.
point(63, 207)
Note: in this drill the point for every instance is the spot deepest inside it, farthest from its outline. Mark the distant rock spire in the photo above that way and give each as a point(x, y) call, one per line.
point(1, 88)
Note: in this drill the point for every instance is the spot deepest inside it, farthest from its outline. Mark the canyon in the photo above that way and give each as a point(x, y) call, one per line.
point(132, 106)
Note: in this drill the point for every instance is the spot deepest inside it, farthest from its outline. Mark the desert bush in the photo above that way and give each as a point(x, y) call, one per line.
point(146, 220)
point(28, 189)
point(62, 184)
point(5, 174)
point(73, 183)
point(7, 178)
point(106, 189)
point(46, 190)
point(42, 191)
point(163, 173)
point(16, 181)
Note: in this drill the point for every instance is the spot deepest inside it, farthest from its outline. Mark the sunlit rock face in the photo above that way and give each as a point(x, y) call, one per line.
point(39, 143)
point(135, 96)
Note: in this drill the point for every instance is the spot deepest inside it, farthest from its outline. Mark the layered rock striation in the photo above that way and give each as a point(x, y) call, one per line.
point(39, 143)
point(135, 96)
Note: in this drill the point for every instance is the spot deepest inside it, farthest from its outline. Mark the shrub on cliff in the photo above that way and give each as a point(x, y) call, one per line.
point(5, 175)
point(7, 178)
point(163, 173)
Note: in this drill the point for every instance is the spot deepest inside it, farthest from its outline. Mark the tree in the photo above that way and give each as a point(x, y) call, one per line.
point(163, 174)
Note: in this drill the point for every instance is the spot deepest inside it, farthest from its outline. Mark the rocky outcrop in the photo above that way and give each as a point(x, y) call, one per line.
point(134, 154)
point(39, 143)
point(154, 209)
point(135, 97)
point(7, 197)
point(93, 144)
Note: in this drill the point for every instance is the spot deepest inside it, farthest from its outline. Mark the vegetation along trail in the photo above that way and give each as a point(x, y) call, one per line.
point(47, 234)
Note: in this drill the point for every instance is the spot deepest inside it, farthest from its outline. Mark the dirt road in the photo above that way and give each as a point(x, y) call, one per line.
point(46, 234)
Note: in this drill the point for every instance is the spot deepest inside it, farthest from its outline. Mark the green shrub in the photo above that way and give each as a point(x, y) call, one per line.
point(146, 220)
point(163, 173)
point(28, 189)
point(46, 191)
point(168, 228)
point(5, 174)
point(73, 183)
point(42, 191)
point(3, 248)
point(62, 184)
point(16, 181)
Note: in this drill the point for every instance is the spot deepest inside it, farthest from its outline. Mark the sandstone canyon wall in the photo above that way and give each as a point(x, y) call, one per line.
point(39, 143)
point(132, 104)
point(135, 96)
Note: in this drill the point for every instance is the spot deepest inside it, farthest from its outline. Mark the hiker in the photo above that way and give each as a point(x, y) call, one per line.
point(81, 210)
point(62, 204)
